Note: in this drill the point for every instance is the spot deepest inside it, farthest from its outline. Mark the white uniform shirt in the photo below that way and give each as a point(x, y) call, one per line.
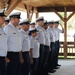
point(34, 44)
point(3, 43)
point(59, 31)
point(47, 37)
point(13, 38)
point(41, 35)
point(56, 34)
point(25, 41)
point(52, 34)
point(44, 34)
point(74, 35)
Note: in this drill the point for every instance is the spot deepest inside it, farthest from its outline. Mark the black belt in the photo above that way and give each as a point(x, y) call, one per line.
point(26, 52)
point(46, 46)
point(2, 57)
point(42, 44)
point(52, 42)
point(13, 52)
point(57, 41)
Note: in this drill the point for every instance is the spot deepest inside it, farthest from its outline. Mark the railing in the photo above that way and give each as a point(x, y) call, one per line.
point(70, 49)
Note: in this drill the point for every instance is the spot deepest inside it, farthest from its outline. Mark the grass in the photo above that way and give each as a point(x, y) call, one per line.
point(68, 57)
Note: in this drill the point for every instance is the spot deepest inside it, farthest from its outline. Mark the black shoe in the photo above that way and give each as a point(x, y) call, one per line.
point(52, 71)
point(49, 74)
point(58, 65)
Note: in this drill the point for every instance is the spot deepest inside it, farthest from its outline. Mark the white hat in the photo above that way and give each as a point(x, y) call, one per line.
point(45, 22)
point(50, 22)
point(2, 12)
point(15, 15)
point(31, 30)
point(7, 19)
point(40, 18)
point(32, 23)
point(26, 21)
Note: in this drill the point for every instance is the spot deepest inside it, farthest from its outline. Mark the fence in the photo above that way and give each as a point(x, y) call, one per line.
point(70, 49)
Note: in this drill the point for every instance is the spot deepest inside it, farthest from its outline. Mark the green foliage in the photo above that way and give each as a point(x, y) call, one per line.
point(71, 21)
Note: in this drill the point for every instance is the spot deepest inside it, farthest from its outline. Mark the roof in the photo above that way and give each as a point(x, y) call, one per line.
point(41, 5)
point(49, 3)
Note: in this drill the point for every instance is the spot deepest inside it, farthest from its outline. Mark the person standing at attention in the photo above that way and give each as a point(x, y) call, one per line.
point(3, 45)
point(25, 47)
point(41, 40)
point(14, 43)
point(58, 31)
point(34, 51)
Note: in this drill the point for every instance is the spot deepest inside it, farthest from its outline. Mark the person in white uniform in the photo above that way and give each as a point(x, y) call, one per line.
point(51, 60)
point(41, 39)
point(14, 43)
point(74, 39)
point(47, 46)
point(3, 45)
point(6, 21)
point(58, 31)
point(25, 47)
point(34, 51)
point(32, 25)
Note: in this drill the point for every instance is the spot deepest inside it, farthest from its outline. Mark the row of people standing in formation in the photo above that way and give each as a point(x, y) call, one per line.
point(27, 51)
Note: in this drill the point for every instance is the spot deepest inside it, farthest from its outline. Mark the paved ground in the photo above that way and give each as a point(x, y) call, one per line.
point(67, 68)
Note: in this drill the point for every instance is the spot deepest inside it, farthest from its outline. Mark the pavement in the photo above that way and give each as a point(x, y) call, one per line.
point(67, 67)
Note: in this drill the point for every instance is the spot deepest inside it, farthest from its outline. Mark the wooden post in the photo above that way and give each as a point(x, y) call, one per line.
point(12, 6)
point(30, 11)
point(65, 29)
point(65, 33)
point(70, 15)
point(53, 10)
point(1, 4)
point(65, 19)
point(37, 14)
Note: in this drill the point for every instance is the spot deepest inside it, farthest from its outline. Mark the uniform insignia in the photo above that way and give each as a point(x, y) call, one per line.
point(4, 33)
point(14, 33)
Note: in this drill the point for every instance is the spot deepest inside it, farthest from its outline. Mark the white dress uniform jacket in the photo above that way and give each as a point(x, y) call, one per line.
point(13, 38)
point(34, 44)
point(3, 43)
point(41, 35)
point(25, 41)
